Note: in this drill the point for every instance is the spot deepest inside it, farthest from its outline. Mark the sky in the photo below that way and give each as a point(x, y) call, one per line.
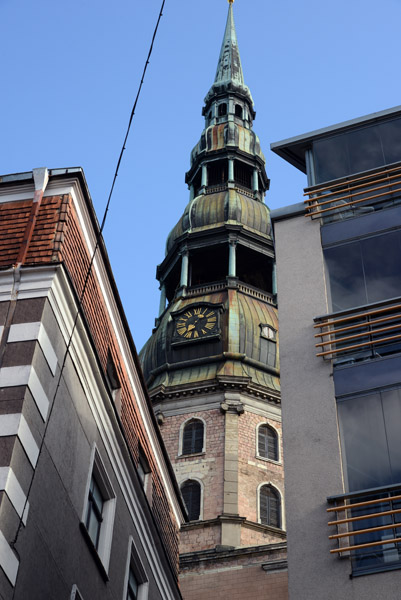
point(71, 70)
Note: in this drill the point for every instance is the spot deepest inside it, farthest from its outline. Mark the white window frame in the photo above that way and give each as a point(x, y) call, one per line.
point(98, 471)
point(135, 563)
point(282, 511)
point(181, 436)
point(258, 456)
point(75, 593)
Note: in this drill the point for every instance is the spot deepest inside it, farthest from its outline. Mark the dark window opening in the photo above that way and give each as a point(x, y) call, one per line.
point(173, 281)
point(192, 437)
point(269, 506)
point(217, 172)
point(208, 265)
point(268, 348)
point(222, 110)
point(238, 111)
point(94, 513)
point(254, 269)
point(191, 493)
point(197, 181)
point(267, 442)
point(210, 116)
point(243, 174)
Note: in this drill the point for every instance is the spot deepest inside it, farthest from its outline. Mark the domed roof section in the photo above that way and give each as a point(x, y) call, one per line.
point(222, 208)
point(239, 343)
point(227, 135)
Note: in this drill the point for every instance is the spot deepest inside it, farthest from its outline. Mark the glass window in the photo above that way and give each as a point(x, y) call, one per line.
point(269, 500)
point(192, 439)
point(222, 109)
point(94, 514)
point(267, 442)
point(359, 275)
point(132, 591)
point(191, 493)
point(391, 139)
point(370, 439)
point(364, 149)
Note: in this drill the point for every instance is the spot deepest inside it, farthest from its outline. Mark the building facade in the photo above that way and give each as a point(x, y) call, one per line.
point(89, 507)
point(339, 288)
point(211, 364)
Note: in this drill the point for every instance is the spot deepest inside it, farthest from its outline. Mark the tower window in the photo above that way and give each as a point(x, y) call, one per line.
point(192, 437)
point(222, 110)
point(217, 172)
point(269, 503)
point(191, 493)
point(243, 174)
point(238, 111)
point(267, 442)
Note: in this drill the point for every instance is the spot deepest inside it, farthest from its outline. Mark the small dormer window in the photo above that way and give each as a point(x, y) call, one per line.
point(222, 109)
point(238, 111)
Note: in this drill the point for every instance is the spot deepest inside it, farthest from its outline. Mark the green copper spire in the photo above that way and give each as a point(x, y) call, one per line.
point(229, 66)
point(229, 76)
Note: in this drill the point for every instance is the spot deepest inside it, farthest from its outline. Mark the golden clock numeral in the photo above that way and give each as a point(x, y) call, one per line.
point(211, 314)
point(210, 319)
point(189, 334)
point(209, 325)
point(204, 331)
point(181, 331)
point(196, 334)
point(197, 311)
point(188, 314)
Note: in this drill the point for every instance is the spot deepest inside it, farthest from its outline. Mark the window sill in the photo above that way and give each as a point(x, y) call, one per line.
point(195, 455)
point(269, 460)
point(94, 552)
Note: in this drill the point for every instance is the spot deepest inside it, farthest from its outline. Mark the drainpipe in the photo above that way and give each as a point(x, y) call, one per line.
point(41, 178)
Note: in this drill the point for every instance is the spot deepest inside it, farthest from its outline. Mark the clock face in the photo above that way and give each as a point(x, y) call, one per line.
point(197, 323)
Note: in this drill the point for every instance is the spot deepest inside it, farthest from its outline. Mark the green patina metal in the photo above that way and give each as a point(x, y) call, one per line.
point(226, 211)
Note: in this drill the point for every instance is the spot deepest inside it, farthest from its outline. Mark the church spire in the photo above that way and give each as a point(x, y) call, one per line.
point(229, 67)
point(229, 77)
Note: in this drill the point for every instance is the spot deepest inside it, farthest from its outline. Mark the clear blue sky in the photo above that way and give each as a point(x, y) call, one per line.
point(70, 72)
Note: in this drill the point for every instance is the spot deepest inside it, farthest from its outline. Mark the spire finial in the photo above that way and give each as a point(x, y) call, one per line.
point(231, 1)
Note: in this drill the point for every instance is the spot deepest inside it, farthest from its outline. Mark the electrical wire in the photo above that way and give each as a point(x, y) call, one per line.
point(88, 273)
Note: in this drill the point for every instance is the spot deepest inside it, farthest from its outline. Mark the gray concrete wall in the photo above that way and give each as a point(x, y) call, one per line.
point(311, 445)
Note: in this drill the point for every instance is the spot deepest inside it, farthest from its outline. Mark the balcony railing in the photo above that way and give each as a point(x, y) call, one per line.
point(360, 334)
point(368, 528)
point(356, 196)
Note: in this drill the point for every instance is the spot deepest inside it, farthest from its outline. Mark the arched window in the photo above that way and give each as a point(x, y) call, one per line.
point(270, 509)
point(192, 437)
point(267, 442)
point(222, 109)
point(191, 493)
point(238, 111)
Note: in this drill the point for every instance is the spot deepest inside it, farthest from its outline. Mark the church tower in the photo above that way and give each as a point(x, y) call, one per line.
point(212, 365)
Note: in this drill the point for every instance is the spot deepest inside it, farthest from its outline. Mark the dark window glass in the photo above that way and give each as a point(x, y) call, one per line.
point(370, 439)
point(222, 110)
point(364, 149)
point(331, 158)
point(238, 111)
point(132, 592)
point(192, 441)
point(243, 174)
point(191, 493)
point(269, 506)
point(217, 172)
point(359, 275)
point(390, 133)
point(94, 512)
point(267, 442)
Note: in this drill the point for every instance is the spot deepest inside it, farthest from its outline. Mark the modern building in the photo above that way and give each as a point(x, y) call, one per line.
point(89, 507)
point(339, 291)
point(211, 364)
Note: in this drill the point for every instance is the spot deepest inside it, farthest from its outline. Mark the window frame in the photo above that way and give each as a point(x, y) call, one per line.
point(135, 564)
point(280, 507)
point(181, 437)
point(199, 482)
point(278, 441)
point(75, 593)
point(98, 473)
